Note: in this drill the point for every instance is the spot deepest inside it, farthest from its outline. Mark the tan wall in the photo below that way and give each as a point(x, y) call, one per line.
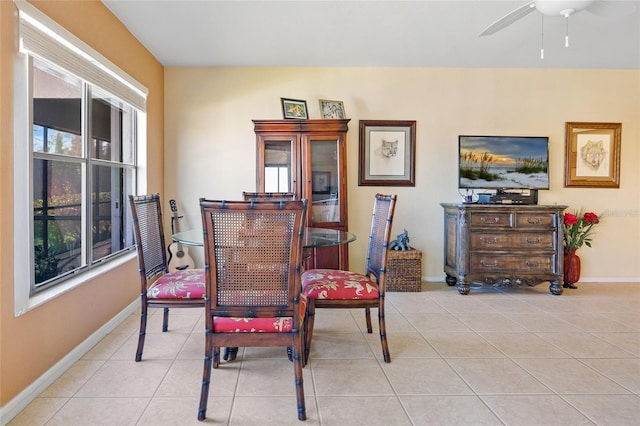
point(32, 343)
point(210, 144)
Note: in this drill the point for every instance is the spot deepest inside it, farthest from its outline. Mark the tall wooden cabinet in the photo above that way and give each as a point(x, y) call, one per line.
point(308, 157)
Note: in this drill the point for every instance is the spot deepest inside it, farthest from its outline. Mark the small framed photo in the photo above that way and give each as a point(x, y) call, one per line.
point(294, 108)
point(387, 153)
point(332, 109)
point(592, 155)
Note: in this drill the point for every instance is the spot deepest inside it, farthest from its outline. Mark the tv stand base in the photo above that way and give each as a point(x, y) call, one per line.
point(503, 246)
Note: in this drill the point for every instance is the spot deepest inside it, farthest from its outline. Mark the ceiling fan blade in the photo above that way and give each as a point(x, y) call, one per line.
point(510, 18)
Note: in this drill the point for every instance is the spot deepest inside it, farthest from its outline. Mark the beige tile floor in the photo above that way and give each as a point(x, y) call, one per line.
point(494, 357)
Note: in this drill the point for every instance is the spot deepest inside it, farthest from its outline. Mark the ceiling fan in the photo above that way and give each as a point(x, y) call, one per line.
point(563, 8)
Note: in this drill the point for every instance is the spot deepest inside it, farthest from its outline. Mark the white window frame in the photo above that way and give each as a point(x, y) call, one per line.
point(98, 71)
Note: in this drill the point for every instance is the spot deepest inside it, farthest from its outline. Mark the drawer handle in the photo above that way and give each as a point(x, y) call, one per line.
point(493, 240)
point(533, 264)
point(534, 241)
point(485, 220)
point(536, 221)
point(487, 265)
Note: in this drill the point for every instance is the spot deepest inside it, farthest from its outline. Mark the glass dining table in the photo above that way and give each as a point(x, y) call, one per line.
point(312, 238)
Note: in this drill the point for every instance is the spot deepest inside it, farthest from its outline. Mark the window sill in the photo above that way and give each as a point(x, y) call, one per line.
point(25, 305)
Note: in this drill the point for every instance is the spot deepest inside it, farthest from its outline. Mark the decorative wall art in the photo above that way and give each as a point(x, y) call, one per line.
point(592, 155)
point(332, 109)
point(387, 153)
point(294, 108)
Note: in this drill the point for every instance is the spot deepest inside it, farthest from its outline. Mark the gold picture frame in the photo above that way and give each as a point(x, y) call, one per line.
point(592, 155)
point(332, 109)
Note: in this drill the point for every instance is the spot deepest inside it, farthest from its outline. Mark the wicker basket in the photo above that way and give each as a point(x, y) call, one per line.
point(404, 269)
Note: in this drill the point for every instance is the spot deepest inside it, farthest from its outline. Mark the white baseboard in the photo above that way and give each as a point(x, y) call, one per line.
point(31, 392)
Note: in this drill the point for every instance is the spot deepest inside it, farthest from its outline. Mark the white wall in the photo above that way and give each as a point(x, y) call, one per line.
point(210, 144)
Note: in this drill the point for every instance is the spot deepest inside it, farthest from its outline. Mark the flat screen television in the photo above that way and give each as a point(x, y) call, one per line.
point(503, 162)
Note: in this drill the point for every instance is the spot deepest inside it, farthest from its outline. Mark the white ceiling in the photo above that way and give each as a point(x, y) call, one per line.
point(391, 33)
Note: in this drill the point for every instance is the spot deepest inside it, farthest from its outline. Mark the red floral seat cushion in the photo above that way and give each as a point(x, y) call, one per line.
point(185, 284)
point(337, 284)
point(258, 325)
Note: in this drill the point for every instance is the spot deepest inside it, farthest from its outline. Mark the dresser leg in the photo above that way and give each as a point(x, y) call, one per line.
point(451, 281)
point(556, 288)
point(463, 286)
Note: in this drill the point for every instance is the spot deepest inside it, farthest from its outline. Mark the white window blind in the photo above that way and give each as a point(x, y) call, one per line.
point(42, 37)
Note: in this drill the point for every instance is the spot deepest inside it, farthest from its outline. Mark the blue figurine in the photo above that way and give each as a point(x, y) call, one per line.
point(400, 243)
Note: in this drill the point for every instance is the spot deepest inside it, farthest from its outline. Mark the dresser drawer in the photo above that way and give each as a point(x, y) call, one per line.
point(534, 220)
point(507, 263)
point(512, 240)
point(497, 220)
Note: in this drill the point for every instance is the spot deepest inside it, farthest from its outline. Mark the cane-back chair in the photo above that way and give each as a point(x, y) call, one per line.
point(160, 288)
point(331, 288)
point(253, 261)
point(230, 354)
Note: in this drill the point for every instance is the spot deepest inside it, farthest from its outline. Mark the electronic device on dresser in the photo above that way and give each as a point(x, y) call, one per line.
point(507, 169)
point(179, 257)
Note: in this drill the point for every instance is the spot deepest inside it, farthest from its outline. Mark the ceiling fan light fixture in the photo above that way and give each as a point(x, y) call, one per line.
point(566, 13)
point(542, 37)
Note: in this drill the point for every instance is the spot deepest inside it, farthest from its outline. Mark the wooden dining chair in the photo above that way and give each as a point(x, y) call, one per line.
point(253, 290)
point(160, 288)
point(331, 288)
point(230, 354)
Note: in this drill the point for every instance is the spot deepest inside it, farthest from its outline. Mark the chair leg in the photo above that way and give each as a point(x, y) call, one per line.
point(165, 320)
point(143, 331)
point(298, 362)
point(216, 357)
point(367, 314)
point(308, 329)
point(230, 354)
point(383, 336)
point(206, 377)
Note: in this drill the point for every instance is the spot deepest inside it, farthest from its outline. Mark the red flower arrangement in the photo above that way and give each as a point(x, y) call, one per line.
point(577, 228)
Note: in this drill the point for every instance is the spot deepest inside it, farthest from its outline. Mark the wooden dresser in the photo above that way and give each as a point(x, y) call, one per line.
point(503, 245)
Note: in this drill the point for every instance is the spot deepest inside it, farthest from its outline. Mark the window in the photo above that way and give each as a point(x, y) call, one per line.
point(83, 169)
point(83, 117)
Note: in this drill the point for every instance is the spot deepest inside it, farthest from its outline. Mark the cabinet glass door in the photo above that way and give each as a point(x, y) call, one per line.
point(278, 168)
point(325, 181)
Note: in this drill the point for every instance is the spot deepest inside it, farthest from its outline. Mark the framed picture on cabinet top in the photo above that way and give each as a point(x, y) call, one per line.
point(592, 155)
point(332, 109)
point(387, 153)
point(294, 108)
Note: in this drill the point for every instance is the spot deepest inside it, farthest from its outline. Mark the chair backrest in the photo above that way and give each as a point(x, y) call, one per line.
point(253, 257)
point(149, 234)
point(383, 209)
point(268, 196)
